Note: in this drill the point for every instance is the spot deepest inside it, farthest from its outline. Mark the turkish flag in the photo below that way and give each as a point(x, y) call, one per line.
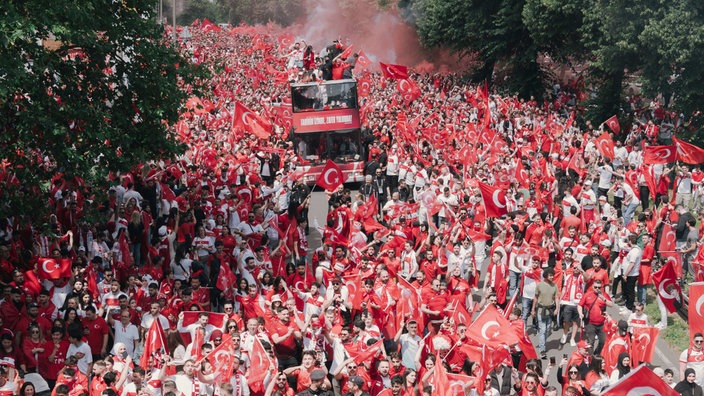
point(286, 40)
point(259, 363)
point(245, 119)
point(32, 283)
point(347, 52)
point(364, 86)
point(367, 354)
point(492, 329)
point(331, 177)
point(52, 269)
point(494, 200)
point(459, 384)
point(612, 123)
point(439, 380)
point(649, 177)
point(354, 289)
point(576, 163)
point(198, 341)
point(409, 90)
point(688, 153)
point(697, 266)
point(222, 359)
point(166, 192)
point(696, 300)
point(643, 346)
point(363, 60)
point(614, 345)
point(521, 175)
point(605, 145)
point(460, 313)
point(640, 381)
point(668, 239)
point(155, 346)
point(125, 250)
point(396, 72)
point(659, 154)
point(676, 259)
point(663, 278)
point(226, 279)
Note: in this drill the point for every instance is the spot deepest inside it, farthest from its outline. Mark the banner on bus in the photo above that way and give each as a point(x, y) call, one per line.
point(327, 120)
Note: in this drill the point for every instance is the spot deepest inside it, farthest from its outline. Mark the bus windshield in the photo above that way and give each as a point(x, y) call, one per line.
point(339, 94)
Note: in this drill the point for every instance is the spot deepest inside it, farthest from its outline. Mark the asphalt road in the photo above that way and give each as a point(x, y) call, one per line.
point(664, 356)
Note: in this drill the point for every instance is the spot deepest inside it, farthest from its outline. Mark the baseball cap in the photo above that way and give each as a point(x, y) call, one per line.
point(357, 380)
point(318, 375)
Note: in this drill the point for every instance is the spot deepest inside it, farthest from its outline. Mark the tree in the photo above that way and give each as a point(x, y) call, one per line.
point(88, 87)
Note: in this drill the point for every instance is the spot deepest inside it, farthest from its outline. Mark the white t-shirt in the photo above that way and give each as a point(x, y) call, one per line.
point(409, 347)
point(605, 173)
point(126, 335)
point(633, 257)
point(694, 360)
point(87, 358)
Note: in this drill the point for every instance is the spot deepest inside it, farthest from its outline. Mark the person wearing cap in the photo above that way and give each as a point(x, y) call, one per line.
point(31, 316)
point(356, 383)
point(317, 385)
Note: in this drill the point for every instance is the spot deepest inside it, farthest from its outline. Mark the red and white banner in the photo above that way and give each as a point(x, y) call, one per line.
point(605, 145)
point(155, 346)
point(492, 329)
point(613, 124)
point(325, 120)
point(223, 360)
point(695, 312)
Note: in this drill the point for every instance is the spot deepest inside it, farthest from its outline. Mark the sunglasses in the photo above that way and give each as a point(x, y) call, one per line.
point(231, 327)
point(597, 287)
point(698, 341)
point(574, 372)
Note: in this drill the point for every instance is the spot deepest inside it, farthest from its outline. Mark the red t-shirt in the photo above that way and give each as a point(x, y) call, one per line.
point(97, 329)
point(54, 366)
point(287, 347)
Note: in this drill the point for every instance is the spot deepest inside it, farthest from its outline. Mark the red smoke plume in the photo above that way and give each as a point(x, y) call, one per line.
point(383, 35)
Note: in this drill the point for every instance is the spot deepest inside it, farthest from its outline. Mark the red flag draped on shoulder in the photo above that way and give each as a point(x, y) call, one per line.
point(331, 177)
point(688, 153)
point(668, 289)
point(246, 120)
point(659, 154)
point(494, 200)
point(641, 381)
point(155, 346)
point(696, 314)
point(52, 269)
point(397, 72)
point(613, 124)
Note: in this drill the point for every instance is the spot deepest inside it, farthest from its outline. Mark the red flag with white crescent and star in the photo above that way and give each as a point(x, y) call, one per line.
point(223, 360)
point(659, 154)
point(688, 153)
point(664, 279)
point(155, 346)
point(494, 200)
point(397, 72)
point(492, 329)
point(605, 145)
point(52, 269)
point(643, 345)
point(259, 363)
point(695, 313)
point(613, 124)
point(331, 177)
point(640, 381)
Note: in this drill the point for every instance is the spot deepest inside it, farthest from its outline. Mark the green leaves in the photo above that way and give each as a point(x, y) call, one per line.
point(61, 102)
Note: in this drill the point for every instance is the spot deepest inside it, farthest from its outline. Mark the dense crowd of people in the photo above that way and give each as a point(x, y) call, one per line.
point(478, 211)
